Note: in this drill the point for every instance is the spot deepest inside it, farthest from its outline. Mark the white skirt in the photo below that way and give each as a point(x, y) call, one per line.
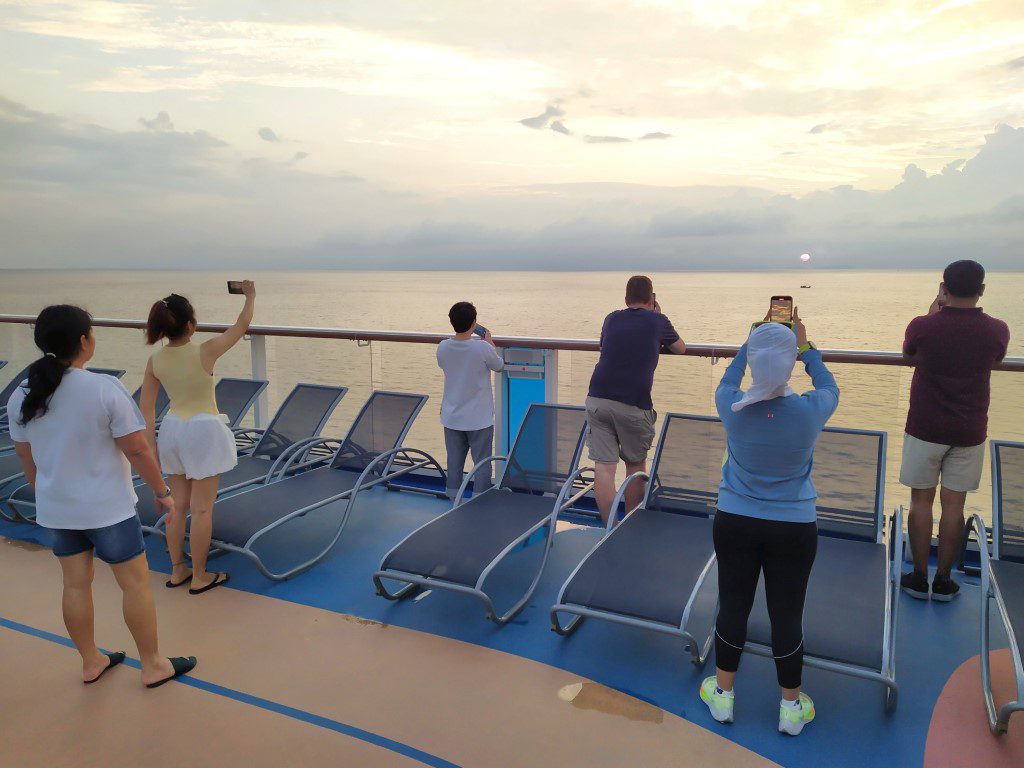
point(197, 448)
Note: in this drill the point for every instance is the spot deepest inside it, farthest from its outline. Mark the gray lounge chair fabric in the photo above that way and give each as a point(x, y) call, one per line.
point(363, 459)
point(163, 402)
point(627, 575)
point(7, 391)
point(1008, 500)
point(1010, 576)
point(471, 535)
point(235, 397)
point(647, 570)
point(459, 549)
point(859, 614)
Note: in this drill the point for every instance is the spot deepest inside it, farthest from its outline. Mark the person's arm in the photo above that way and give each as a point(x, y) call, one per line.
point(142, 457)
point(492, 358)
point(671, 342)
point(825, 397)
point(211, 351)
point(28, 464)
point(910, 342)
point(147, 401)
point(939, 301)
point(733, 376)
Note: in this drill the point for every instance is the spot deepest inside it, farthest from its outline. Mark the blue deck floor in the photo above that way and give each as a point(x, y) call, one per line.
point(851, 728)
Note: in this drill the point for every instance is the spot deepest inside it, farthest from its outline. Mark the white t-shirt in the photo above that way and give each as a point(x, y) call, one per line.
point(468, 402)
point(83, 480)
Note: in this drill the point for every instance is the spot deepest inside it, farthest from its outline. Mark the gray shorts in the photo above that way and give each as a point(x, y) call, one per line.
point(619, 431)
point(924, 463)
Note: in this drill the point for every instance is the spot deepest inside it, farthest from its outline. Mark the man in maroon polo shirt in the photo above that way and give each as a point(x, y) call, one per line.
point(953, 349)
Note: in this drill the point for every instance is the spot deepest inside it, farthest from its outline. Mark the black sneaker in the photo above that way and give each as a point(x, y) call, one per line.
point(915, 584)
point(944, 590)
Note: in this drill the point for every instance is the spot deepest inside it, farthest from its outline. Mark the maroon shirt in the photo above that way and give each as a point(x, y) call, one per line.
point(953, 353)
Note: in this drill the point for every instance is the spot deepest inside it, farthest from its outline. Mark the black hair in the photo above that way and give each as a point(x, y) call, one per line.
point(964, 278)
point(58, 334)
point(169, 319)
point(463, 316)
point(639, 290)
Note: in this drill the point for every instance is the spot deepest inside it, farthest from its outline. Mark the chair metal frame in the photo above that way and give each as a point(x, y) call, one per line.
point(563, 501)
point(998, 718)
point(698, 650)
point(349, 496)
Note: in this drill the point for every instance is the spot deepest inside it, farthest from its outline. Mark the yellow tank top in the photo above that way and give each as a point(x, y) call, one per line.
point(187, 383)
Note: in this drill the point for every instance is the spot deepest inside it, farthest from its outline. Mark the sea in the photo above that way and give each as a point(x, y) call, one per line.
point(842, 309)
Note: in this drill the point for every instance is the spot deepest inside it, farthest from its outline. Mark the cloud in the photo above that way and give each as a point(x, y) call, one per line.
point(686, 223)
point(559, 127)
point(162, 122)
point(299, 156)
point(656, 135)
point(605, 139)
point(1017, 63)
point(819, 128)
point(544, 118)
point(267, 134)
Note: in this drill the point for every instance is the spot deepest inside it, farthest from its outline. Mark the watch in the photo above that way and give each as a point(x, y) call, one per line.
point(166, 494)
point(805, 346)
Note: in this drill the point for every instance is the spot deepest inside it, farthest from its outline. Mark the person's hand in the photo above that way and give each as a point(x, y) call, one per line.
point(167, 504)
point(488, 339)
point(248, 289)
point(799, 329)
point(941, 299)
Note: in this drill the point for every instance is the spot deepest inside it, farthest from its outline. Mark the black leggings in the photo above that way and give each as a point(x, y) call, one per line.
point(785, 552)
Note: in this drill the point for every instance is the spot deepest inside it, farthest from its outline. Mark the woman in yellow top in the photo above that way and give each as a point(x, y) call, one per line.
point(195, 445)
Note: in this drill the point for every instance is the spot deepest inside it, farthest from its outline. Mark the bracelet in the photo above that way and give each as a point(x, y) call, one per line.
point(166, 494)
point(803, 348)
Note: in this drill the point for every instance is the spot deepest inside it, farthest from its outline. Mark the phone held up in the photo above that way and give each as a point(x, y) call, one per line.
point(780, 311)
point(235, 286)
point(480, 331)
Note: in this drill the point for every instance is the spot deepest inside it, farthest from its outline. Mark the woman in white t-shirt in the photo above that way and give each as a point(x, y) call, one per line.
point(78, 435)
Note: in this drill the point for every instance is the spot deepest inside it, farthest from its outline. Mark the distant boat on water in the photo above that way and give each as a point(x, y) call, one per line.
point(805, 286)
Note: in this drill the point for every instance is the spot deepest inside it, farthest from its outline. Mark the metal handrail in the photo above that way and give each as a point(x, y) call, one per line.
point(714, 351)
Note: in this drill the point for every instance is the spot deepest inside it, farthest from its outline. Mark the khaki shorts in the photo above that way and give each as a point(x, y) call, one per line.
point(924, 462)
point(619, 431)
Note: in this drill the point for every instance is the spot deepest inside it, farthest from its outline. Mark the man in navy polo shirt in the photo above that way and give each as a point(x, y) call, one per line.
point(953, 349)
point(619, 408)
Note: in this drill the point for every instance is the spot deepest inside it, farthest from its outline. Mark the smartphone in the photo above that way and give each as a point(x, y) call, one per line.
point(480, 331)
point(234, 286)
point(781, 310)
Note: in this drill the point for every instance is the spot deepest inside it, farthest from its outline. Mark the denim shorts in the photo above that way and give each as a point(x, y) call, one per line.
point(117, 543)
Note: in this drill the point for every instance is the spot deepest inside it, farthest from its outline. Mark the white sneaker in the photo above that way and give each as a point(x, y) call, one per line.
point(793, 719)
point(719, 704)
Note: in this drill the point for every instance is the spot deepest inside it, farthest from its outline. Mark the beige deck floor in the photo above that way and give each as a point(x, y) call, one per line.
point(473, 706)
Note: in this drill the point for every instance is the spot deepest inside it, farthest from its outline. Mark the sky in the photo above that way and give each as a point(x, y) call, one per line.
point(540, 134)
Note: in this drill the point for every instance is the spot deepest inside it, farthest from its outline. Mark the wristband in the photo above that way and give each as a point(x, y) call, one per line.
point(165, 495)
point(804, 347)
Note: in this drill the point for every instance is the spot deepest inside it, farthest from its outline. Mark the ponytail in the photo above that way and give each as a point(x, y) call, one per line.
point(169, 319)
point(58, 334)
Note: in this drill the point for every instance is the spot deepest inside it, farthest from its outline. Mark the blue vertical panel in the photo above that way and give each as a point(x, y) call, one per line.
point(521, 392)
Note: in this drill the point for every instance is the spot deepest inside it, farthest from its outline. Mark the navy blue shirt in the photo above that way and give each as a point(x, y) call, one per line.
point(631, 340)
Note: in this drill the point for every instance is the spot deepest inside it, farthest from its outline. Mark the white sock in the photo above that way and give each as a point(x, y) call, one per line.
point(720, 692)
point(795, 704)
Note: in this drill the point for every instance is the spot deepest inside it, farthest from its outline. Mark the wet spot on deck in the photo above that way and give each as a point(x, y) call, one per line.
point(600, 698)
point(364, 622)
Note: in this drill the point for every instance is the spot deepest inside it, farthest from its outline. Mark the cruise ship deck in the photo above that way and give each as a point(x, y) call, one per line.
point(319, 670)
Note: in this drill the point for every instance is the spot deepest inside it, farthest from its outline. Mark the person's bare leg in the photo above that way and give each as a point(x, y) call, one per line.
point(635, 492)
point(77, 607)
point(919, 526)
point(951, 529)
point(181, 491)
point(604, 487)
point(140, 616)
point(790, 694)
point(204, 493)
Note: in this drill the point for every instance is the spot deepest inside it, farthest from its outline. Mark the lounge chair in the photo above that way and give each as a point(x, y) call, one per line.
point(648, 570)
point(7, 391)
point(163, 403)
point(458, 550)
point(1002, 574)
point(849, 631)
point(235, 398)
point(364, 459)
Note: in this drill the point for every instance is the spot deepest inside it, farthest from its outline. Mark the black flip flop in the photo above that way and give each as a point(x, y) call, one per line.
point(174, 585)
point(115, 658)
point(182, 666)
point(217, 581)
